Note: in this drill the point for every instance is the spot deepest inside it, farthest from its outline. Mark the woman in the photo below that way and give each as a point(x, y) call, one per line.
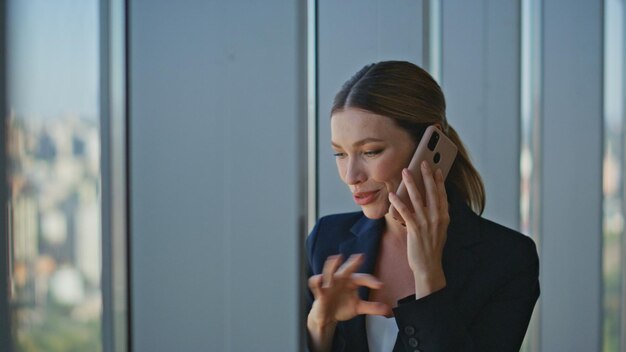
point(442, 278)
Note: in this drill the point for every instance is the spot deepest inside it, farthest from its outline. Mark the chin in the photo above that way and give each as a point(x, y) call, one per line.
point(375, 211)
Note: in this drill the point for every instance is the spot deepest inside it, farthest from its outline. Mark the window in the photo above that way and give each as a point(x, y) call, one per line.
point(613, 173)
point(54, 175)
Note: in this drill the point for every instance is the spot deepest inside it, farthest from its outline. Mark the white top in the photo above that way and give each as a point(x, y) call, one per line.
point(381, 333)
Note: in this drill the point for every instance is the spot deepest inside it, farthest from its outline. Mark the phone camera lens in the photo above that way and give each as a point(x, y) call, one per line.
point(434, 139)
point(437, 157)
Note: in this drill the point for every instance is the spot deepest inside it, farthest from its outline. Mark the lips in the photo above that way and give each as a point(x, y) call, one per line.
point(363, 198)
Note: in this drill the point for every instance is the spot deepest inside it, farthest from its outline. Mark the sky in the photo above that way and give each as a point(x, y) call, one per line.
point(53, 57)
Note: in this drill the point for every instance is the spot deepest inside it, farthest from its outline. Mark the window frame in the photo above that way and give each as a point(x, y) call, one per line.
point(115, 284)
point(116, 295)
point(5, 321)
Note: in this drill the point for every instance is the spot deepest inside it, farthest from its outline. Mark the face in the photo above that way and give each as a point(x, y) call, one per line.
point(370, 151)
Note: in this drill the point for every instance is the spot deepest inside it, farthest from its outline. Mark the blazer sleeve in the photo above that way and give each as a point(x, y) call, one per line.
point(316, 256)
point(310, 243)
point(432, 323)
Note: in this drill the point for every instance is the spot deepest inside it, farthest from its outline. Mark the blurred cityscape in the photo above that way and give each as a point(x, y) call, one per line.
point(613, 228)
point(54, 220)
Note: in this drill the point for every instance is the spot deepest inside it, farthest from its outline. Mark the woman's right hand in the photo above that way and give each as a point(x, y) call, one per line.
point(336, 292)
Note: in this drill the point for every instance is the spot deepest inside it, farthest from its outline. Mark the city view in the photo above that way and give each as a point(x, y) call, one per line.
point(54, 175)
point(55, 233)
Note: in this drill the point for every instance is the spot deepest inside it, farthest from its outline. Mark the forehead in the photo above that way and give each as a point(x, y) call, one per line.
point(352, 125)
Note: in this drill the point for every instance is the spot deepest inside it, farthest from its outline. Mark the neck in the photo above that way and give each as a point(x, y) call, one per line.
point(394, 228)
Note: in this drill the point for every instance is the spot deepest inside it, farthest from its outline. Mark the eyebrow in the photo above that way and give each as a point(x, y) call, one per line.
point(360, 143)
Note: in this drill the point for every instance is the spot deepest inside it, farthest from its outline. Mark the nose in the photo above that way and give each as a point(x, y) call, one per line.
point(355, 172)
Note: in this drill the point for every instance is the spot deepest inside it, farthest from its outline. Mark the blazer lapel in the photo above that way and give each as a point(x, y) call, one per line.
point(463, 234)
point(458, 259)
point(366, 240)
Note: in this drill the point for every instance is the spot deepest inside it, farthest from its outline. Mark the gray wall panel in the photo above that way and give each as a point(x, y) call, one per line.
point(216, 98)
point(481, 65)
point(352, 34)
point(501, 158)
point(173, 116)
point(571, 173)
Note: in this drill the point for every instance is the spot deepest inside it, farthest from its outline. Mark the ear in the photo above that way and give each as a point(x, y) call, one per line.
point(438, 126)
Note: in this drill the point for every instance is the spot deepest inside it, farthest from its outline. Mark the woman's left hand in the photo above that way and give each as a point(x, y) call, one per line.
point(427, 228)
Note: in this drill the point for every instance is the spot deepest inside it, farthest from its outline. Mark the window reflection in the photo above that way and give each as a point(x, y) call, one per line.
point(54, 175)
point(613, 170)
point(530, 148)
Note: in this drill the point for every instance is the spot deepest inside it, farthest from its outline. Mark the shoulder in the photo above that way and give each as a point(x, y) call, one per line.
point(338, 221)
point(507, 247)
point(333, 227)
point(329, 232)
point(490, 242)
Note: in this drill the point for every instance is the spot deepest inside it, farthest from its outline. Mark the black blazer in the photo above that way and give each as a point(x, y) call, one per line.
point(492, 276)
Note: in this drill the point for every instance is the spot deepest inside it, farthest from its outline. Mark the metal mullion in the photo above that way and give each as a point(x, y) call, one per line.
point(623, 252)
point(5, 311)
point(113, 102)
point(432, 39)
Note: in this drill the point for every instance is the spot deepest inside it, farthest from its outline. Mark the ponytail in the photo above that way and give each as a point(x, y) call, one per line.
point(464, 176)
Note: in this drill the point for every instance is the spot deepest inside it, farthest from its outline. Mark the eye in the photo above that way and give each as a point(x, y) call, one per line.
point(339, 155)
point(372, 153)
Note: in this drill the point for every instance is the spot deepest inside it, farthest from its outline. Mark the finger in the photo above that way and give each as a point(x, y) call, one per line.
point(430, 188)
point(372, 308)
point(351, 265)
point(441, 190)
point(395, 214)
point(367, 280)
point(405, 213)
point(408, 181)
point(315, 283)
point(330, 266)
point(414, 194)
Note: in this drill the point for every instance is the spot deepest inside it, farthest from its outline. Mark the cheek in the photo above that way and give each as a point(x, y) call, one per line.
point(389, 171)
point(341, 169)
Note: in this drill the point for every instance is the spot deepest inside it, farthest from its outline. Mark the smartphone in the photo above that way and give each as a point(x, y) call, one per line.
point(439, 151)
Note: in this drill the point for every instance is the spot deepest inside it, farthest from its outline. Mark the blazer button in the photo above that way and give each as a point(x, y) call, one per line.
point(413, 342)
point(409, 330)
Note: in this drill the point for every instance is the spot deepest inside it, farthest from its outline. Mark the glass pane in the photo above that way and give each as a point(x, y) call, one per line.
point(613, 183)
point(54, 174)
point(530, 150)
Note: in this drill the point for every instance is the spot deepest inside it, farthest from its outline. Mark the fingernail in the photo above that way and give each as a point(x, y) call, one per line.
point(405, 172)
point(424, 164)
